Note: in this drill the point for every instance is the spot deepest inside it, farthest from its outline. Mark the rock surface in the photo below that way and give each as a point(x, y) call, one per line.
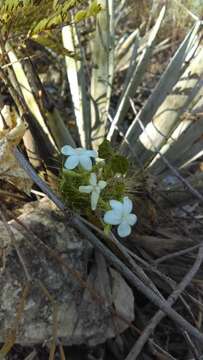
point(56, 289)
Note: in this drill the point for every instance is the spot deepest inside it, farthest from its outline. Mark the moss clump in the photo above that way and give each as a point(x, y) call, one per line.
point(112, 169)
point(69, 187)
point(115, 190)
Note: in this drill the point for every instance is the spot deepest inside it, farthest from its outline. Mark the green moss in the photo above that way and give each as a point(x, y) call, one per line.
point(114, 190)
point(69, 188)
point(119, 164)
point(113, 170)
point(105, 150)
point(115, 163)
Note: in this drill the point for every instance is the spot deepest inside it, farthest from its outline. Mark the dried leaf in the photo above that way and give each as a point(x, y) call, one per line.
point(9, 167)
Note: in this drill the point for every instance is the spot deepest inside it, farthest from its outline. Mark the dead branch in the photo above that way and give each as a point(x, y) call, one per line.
point(112, 259)
point(135, 351)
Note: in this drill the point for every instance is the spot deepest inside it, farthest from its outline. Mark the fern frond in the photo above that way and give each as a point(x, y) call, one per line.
point(30, 17)
point(53, 42)
point(12, 5)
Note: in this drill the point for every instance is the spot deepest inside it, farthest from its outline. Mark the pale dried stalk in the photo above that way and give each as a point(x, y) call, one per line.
point(102, 72)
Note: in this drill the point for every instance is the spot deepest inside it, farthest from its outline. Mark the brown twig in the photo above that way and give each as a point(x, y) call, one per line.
point(191, 345)
point(94, 293)
point(112, 259)
point(159, 353)
point(135, 351)
point(176, 254)
point(31, 356)
point(172, 283)
point(61, 351)
point(122, 252)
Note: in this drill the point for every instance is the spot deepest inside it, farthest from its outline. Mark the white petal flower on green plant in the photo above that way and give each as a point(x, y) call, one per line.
point(121, 215)
point(94, 188)
point(78, 156)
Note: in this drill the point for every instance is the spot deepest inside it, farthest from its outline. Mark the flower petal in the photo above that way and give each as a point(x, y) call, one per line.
point(132, 219)
point(127, 205)
point(93, 179)
point(94, 200)
point(71, 162)
point(86, 162)
point(111, 217)
point(68, 150)
point(81, 151)
point(91, 153)
point(116, 205)
point(85, 189)
point(102, 184)
point(124, 229)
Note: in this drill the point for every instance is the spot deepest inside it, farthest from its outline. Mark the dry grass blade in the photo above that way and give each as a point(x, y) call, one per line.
point(182, 149)
point(102, 73)
point(31, 356)
point(176, 194)
point(126, 45)
point(38, 146)
point(193, 191)
point(26, 90)
point(175, 68)
point(191, 345)
point(62, 353)
point(137, 71)
point(166, 126)
point(76, 77)
point(9, 168)
point(164, 137)
point(50, 121)
point(195, 152)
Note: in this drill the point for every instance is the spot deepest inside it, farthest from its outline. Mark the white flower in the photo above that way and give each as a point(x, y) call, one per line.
point(121, 215)
point(94, 188)
point(78, 156)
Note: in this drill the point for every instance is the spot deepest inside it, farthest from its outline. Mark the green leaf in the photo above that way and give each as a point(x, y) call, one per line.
point(53, 42)
point(30, 17)
point(105, 150)
point(116, 164)
point(119, 164)
point(107, 229)
point(92, 10)
point(80, 15)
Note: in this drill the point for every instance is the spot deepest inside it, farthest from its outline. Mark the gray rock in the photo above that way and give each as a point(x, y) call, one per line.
point(57, 289)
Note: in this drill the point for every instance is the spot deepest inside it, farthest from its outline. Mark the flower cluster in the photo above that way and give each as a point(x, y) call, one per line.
point(77, 157)
point(121, 215)
point(94, 189)
point(116, 212)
